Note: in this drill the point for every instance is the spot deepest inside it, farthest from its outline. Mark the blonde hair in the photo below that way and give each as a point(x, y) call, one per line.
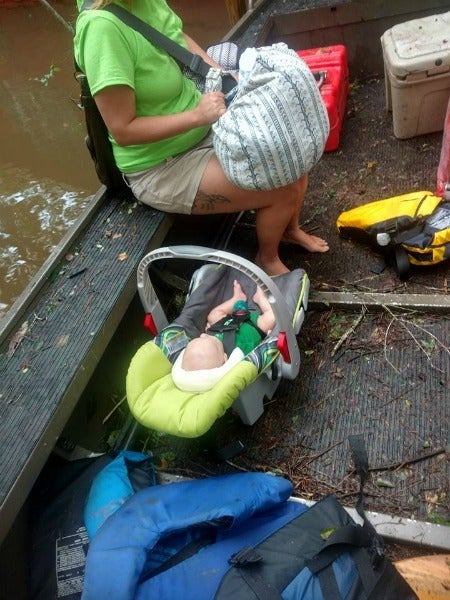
point(204, 352)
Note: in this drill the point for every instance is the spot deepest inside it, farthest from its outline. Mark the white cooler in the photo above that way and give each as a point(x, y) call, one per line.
point(417, 74)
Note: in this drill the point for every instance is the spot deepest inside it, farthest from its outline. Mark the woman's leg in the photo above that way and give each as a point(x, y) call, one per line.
point(295, 235)
point(276, 212)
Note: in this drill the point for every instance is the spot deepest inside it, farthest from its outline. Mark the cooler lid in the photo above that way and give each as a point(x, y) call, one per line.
point(418, 46)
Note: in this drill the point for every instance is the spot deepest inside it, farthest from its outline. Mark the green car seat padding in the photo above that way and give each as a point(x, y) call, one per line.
point(158, 404)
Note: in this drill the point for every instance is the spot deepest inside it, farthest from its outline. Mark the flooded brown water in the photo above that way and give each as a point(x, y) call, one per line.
point(46, 175)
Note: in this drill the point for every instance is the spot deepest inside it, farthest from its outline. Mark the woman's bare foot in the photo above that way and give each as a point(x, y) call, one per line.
point(309, 242)
point(272, 266)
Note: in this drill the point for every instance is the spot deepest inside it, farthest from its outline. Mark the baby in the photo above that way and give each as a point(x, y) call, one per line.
point(204, 361)
point(207, 351)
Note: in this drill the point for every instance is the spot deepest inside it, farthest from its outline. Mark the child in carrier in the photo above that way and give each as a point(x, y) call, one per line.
point(205, 356)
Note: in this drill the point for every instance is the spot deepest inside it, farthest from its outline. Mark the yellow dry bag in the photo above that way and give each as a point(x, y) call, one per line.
point(414, 228)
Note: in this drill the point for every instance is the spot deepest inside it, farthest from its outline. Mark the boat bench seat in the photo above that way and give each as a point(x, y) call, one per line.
point(50, 353)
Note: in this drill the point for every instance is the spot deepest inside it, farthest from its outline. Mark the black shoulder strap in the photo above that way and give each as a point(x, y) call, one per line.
point(193, 61)
point(189, 550)
point(401, 262)
point(227, 326)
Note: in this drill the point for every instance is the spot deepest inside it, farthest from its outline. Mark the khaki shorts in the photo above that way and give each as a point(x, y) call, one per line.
point(172, 185)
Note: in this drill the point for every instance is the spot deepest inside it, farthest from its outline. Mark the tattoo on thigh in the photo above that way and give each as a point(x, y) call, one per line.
point(209, 202)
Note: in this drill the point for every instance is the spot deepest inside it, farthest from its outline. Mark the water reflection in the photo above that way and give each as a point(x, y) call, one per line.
point(34, 216)
point(46, 175)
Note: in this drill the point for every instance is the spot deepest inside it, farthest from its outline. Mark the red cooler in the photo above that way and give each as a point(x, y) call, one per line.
point(331, 61)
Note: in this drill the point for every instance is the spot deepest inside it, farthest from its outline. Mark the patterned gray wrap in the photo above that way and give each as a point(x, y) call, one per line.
point(277, 126)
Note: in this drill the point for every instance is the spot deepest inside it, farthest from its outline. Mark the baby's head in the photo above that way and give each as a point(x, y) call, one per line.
point(202, 364)
point(204, 352)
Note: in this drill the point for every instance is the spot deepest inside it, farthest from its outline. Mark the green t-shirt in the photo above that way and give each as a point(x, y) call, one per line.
point(110, 53)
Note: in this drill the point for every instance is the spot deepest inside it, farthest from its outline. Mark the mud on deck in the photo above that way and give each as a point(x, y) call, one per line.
point(383, 373)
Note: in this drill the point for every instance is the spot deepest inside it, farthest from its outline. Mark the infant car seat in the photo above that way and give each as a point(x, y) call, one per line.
point(153, 398)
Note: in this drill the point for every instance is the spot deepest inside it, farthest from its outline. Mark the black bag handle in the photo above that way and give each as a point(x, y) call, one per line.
point(379, 577)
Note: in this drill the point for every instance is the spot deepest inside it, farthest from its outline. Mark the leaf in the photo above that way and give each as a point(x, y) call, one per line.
point(384, 483)
point(434, 517)
point(112, 438)
point(62, 340)
point(339, 374)
point(17, 338)
point(326, 533)
point(428, 344)
point(122, 256)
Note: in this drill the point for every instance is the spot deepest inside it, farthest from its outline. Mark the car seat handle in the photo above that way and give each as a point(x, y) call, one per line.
point(150, 301)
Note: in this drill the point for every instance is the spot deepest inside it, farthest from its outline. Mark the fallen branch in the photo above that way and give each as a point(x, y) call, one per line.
point(399, 465)
point(349, 331)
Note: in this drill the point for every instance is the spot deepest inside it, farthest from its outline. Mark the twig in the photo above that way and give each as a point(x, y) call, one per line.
point(432, 336)
point(322, 452)
point(317, 482)
point(349, 331)
point(399, 465)
point(413, 387)
point(410, 333)
point(385, 344)
point(327, 397)
point(110, 414)
point(235, 466)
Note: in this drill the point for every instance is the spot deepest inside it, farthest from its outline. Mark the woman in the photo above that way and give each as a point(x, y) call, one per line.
point(159, 124)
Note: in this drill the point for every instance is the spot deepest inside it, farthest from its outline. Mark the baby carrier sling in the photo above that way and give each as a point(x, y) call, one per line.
point(411, 229)
point(97, 138)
